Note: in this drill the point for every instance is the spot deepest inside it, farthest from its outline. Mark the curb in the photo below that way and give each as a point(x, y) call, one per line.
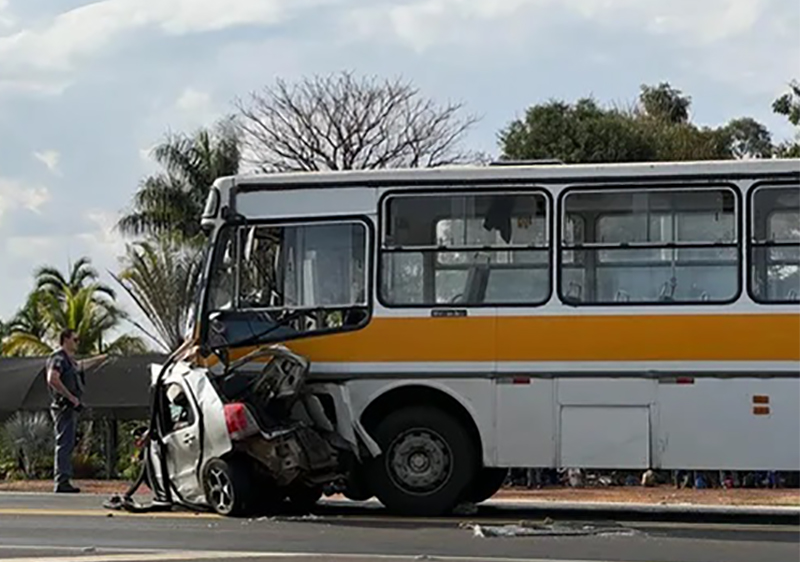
point(762, 515)
point(683, 513)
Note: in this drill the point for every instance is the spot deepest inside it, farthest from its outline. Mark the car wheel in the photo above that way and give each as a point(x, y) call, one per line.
point(487, 483)
point(228, 486)
point(428, 461)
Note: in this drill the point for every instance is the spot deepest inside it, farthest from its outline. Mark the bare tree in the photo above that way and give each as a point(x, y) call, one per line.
point(339, 122)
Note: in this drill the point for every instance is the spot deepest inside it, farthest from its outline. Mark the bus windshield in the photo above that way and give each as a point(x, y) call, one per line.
point(260, 272)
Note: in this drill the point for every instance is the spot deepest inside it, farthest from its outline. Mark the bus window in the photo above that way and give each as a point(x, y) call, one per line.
point(273, 282)
point(476, 249)
point(303, 266)
point(649, 246)
point(775, 245)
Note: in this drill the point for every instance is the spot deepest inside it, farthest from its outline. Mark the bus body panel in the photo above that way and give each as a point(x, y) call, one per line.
point(621, 385)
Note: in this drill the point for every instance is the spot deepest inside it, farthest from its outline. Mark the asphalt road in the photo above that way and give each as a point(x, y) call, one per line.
point(66, 528)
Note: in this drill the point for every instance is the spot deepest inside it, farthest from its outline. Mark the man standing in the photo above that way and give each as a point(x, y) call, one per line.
point(65, 380)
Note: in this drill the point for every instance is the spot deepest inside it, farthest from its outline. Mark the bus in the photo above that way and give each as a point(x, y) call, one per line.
point(468, 319)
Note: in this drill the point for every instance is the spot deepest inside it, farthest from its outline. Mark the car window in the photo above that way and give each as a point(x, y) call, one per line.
point(178, 412)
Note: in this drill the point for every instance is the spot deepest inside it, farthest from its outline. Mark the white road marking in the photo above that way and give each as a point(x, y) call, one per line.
point(183, 555)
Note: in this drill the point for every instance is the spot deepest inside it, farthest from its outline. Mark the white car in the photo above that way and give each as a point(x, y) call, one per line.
point(241, 440)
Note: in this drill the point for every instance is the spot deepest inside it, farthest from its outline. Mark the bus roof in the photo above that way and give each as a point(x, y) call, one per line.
point(721, 169)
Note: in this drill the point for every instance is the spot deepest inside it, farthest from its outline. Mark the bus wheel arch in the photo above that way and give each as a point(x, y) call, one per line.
point(431, 450)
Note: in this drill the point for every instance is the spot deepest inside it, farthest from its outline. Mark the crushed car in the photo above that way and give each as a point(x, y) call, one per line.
point(245, 437)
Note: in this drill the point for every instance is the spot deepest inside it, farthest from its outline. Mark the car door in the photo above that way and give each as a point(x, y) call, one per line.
point(182, 439)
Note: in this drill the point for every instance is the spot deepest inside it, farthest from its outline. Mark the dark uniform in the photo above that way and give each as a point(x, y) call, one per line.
point(65, 416)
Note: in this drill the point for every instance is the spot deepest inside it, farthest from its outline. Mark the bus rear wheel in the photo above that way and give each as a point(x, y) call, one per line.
point(427, 463)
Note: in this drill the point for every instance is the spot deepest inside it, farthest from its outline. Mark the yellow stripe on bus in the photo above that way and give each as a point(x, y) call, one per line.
point(744, 337)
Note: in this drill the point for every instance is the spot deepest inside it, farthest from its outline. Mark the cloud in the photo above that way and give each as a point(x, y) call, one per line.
point(421, 24)
point(50, 159)
point(195, 108)
point(15, 195)
point(98, 239)
point(6, 19)
point(91, 29)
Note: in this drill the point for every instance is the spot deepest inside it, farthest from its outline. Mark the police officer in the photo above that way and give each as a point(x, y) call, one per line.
point(65, 380)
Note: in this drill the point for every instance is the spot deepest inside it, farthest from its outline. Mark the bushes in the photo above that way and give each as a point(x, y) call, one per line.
point(26, 446)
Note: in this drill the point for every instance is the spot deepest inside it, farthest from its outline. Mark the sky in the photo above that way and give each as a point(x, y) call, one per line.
point(87, 88)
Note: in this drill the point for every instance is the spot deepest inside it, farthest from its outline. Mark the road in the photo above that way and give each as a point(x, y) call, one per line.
point(66, 528)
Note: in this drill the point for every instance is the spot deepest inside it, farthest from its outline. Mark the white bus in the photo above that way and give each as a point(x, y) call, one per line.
point(471, 319)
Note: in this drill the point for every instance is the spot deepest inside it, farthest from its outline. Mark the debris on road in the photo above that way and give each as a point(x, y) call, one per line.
point(528, 529)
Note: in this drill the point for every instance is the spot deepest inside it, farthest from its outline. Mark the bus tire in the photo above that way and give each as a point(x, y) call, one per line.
point(487, 483)
point(428, 461)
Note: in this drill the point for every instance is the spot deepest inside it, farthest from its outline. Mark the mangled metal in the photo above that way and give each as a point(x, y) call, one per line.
point(232, 437)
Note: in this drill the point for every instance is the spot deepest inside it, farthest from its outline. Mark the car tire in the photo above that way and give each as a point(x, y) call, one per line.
point(487, 483)
point(228, 486)
point(428, 460)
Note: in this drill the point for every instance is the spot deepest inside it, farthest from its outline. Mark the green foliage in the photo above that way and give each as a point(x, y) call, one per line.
point(749, 138)
point(161, 277)
point(27, 442)
point(656, 129)
point(172, 202)
point(582, 132)
point(665, 103)
point(128, 463)
point(788, 105)
point(78, 302)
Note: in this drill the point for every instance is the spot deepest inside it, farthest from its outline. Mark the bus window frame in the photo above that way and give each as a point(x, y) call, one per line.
point(644, 185)
point(752, 245)
point(369, 271)
point(464, 189)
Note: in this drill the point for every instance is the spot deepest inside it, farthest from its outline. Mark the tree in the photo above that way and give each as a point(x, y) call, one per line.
point(172, 202)
point(656, 129)
point(161, 277)
point(665, 103)
point(788, 105)
point(51, 280)
point(27, 330)
point(582, 132)
point(749, 139)
point(80, 303)
point(340, 122)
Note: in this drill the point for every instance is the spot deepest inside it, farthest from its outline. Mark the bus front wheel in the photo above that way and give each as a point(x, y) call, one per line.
point(428, 460)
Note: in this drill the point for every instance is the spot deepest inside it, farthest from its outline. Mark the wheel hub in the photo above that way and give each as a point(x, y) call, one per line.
point(220, 490)
point(420, 461)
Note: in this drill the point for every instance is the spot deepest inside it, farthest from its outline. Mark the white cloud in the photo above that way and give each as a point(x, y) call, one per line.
point(50, 158)
point(423, 23)
point(99, 241)
point(16, 195)
point(90, 29)
point(102, 238)
point(6, 19)
point(193, 100)
point(196, 108)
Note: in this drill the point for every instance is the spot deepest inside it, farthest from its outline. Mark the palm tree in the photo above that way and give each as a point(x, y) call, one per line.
point(160, 277)
point(78, 302)
point(81, 311)
point(27, 331)
point(51, 280)
point(172, 202)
